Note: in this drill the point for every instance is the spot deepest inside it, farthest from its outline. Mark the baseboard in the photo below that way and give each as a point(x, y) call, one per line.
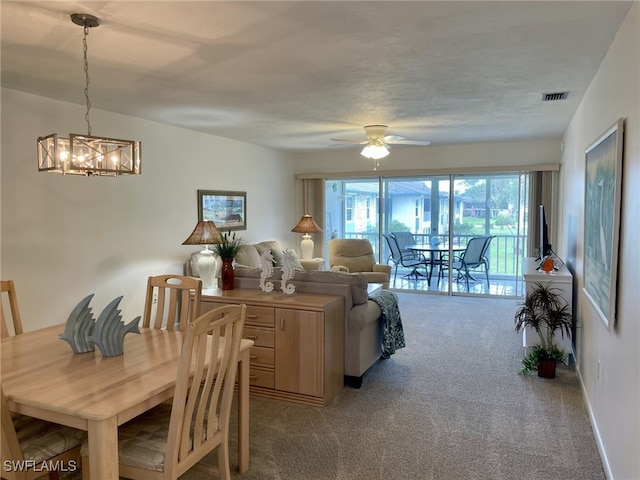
point(594, 427)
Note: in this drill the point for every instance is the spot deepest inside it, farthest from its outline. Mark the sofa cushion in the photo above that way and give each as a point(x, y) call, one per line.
point(248, 255)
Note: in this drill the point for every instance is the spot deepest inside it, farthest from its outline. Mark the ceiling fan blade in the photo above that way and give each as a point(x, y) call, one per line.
point(410, 142)
point(393, 138)
point(357, 142)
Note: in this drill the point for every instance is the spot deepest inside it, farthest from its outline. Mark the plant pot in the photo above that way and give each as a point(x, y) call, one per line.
point(547, 368)
point(226, 274)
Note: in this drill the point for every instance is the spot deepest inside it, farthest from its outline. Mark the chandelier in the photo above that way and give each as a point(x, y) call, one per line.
point(88, 155)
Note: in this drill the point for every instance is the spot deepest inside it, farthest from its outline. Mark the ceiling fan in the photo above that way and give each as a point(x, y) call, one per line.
point(378, 140)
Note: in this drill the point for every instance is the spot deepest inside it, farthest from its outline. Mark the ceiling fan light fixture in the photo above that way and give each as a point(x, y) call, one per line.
point(375, 151)
point(88, 155)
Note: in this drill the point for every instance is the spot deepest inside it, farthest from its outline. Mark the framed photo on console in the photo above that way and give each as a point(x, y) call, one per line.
point(602, 204)
point(228, 210)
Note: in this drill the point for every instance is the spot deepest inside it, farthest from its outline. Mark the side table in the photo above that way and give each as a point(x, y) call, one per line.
point(313, 264)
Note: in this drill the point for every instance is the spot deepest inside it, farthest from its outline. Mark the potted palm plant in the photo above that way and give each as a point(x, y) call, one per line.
point(546, 312)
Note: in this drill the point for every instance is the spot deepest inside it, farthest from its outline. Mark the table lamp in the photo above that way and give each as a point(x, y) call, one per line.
point(205, 233)
point(306, 225)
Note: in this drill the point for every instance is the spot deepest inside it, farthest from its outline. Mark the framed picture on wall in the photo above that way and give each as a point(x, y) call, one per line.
point(603, 184)
point(228, 210)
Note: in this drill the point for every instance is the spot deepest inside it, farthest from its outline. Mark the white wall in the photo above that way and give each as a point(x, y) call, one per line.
point(614, 398)
point(64, 237)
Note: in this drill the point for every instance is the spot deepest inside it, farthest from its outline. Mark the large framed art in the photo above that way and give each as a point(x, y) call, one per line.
point(228, 210)
point(603, 185)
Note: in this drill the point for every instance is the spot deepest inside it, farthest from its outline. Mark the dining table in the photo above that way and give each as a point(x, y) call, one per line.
point(43, 378)
point(433, 250)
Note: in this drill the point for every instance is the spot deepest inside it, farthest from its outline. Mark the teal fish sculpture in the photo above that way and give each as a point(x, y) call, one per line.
point(79, 327)
point(109, 331)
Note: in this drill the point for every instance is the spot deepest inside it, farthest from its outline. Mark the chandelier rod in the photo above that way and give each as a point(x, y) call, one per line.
point(87, 78)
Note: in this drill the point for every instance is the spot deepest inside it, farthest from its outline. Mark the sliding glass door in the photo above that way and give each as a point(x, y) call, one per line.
point(439, 215)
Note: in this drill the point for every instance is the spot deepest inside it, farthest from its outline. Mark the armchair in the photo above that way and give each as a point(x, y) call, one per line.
point(356, 255)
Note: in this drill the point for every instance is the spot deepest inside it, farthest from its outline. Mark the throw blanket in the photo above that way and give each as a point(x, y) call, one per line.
point(392, 333)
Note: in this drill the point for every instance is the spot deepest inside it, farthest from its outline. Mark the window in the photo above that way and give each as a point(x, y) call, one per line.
point(348, 213)
point(445, 210)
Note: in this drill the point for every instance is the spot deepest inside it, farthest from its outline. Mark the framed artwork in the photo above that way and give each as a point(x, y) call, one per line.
point(603, 185)
point(228, 210)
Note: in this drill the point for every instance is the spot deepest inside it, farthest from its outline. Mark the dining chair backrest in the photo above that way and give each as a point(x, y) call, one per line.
point(404, 239)
point(392, 242)
point(475, 253)
point(32, 447)
point(8, 291)
point(202, 401)
point(171, 301)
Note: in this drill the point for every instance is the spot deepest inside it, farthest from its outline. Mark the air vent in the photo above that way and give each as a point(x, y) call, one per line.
point(552, 97)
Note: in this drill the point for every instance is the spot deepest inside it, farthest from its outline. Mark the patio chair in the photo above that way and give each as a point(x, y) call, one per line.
point(474, 257)
point(405, 258)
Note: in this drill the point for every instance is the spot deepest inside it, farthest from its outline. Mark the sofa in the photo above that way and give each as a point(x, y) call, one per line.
point(363, 329)
point(362, 316)
point(249, 256)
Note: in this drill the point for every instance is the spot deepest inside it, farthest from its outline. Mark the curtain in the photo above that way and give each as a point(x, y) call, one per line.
point(313, 204)
point(541, 192)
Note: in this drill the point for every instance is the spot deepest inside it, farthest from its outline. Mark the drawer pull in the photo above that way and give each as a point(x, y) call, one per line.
point(252, 337)
point(282, 323)
point(252, 316)
point(252, 357)
point(253, 377)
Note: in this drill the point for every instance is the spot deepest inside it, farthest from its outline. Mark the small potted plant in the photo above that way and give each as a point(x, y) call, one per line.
point(546, 312)
point(227, 249)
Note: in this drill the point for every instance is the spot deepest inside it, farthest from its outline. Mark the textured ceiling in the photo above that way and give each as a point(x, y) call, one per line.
point(293, 75)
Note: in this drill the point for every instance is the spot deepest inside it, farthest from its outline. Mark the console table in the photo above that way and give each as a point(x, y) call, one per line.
point(298, 352)
point(560, 279)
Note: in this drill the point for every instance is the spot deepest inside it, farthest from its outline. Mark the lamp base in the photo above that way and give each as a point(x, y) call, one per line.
point(208, 268)
point(306, 247)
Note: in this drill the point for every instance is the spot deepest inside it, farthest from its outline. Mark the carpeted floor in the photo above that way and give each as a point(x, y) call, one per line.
point(449, 406)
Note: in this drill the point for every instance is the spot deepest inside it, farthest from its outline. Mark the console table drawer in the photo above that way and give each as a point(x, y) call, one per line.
point(264, 316)
point(262, 337)
point(261, 377)
point(261, 356)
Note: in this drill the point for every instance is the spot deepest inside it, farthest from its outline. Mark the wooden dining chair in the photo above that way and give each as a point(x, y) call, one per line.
point(172, 301)
point(31, 447)
point(168, 440)
point(8, 290)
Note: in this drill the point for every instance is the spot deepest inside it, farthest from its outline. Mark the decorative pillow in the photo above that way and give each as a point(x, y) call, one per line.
point(294, 259)
point(248, 255)
point(276, 251)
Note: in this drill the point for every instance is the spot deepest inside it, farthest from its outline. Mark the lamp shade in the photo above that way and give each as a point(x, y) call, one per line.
point(375, 151)
point(306, 225)
point(205, 233)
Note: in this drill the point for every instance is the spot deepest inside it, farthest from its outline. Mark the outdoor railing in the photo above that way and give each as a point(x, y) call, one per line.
point(505, 251)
